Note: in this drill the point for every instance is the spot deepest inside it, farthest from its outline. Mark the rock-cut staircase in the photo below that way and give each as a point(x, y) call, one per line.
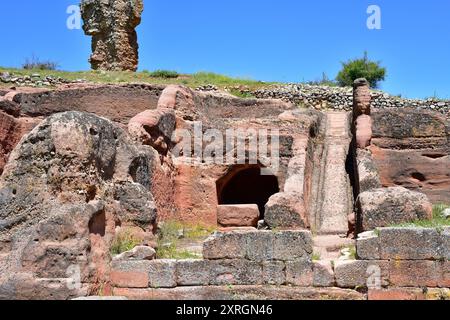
point(334, 193)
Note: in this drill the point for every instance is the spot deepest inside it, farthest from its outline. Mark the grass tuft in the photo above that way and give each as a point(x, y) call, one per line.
point(169, 234)
point(123, 241)
point(438, 220)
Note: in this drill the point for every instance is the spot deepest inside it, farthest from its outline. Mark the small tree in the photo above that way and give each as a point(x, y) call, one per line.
point(361, 68)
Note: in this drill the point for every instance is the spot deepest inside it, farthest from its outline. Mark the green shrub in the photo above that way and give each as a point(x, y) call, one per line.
point(361, 68)
point(164, 74)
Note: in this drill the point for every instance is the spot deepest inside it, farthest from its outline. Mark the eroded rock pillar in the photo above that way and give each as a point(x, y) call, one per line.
point(112, 23)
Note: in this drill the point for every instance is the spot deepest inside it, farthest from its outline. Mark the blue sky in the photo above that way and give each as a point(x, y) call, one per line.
point(271, 40)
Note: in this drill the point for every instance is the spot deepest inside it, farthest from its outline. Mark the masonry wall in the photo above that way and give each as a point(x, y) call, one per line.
point(408, 263)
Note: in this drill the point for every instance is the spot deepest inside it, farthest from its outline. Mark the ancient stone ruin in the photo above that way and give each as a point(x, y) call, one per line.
point(112, 27)
point(86, 164)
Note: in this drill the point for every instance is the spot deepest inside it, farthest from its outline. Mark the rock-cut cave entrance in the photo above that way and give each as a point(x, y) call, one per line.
point(244, 184)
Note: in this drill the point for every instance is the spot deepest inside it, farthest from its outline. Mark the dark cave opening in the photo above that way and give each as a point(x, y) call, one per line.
point(244, 184)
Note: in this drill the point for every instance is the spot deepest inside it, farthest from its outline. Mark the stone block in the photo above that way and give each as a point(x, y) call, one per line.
point(445, 270)
point(235, 272)
point(409, 273)
point(137, 253)
point(292, 245)
point(387, 206)
point(274, 272)
point(410, 244)
point(225, 245)
point(445, 249)
point(396, 294)
point(361, 273)
point(193, 272)
point(299, 273)
point(323, 274)
point(259, 246)
point(130, 274)
point(129, 279)
point(368, 246)
point(162, 273)
point(286, 210)
point(363, 126)
point(245, 215)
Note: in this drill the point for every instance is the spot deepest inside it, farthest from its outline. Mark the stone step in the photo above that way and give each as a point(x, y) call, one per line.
point(328, 247)
point(338, 125)
point(335, 194)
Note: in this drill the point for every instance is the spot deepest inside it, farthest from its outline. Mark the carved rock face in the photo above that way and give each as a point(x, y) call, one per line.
point(66, 187)
point(112, 27)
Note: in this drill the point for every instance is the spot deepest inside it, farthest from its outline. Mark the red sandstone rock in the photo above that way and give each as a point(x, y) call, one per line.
point(153, 128)
point(424, 171)
point(66, 187)
point(396, 294)
point(181, 99)
point(361, 98)
point(11, 131)
point(195, 193)
point(246, 215)
point(363, 131)
point(129, 279)
point(404, 273)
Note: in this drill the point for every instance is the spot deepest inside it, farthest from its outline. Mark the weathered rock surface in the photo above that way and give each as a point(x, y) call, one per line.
point(66, 187)
point(286, 210)
point(363, 131)
point(11, 131)
point(367, 171)
point(154, 128)
point(361, 98)
point(259, 245)
point(112, 27)
point(411, 244)
point(411, 149)
point(118, 103)
point(240, 292)
point(238, 215)
point(388, 206)
point(361, 273)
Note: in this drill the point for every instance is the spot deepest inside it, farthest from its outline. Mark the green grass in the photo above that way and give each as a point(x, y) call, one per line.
point(123, 241)
point(438, 221)
point(156, 77)
point(164, 74)
point(316, 256)
point(168, 239)
point(352, 251)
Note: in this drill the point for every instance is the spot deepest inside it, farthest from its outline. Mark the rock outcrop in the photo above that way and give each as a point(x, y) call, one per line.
point(389, 206)
point(412, 149)
point(67, 187)
point(112, 27)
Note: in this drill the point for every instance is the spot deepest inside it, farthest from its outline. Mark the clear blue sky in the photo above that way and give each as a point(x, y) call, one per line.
point(272, 40)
